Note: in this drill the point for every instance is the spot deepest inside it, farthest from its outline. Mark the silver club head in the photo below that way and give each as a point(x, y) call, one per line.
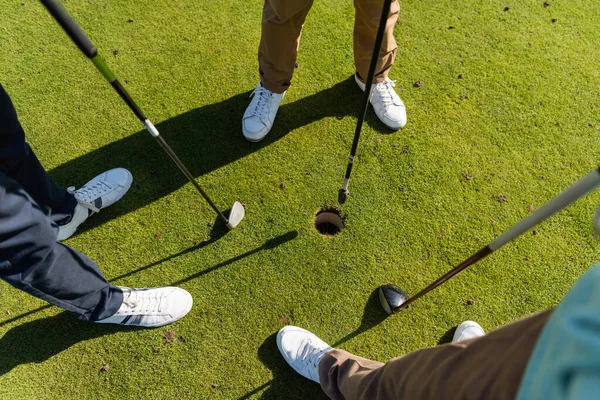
point(236, 214)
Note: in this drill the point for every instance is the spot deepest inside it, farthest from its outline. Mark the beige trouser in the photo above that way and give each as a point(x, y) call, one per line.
point(489, 367)
point(282, 23)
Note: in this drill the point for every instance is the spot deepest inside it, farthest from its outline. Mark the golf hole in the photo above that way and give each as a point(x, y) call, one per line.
point(329, 221)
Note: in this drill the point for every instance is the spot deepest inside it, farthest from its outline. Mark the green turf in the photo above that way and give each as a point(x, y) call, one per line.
point(523, 122)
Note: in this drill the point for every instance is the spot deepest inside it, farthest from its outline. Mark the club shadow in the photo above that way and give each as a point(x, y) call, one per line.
point(373, 315)
point(205, 139)
point(269, 244)
point(36, 341)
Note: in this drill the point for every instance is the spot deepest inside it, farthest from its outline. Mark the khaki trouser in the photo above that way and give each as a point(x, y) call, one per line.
point(281, 27)
point(489, 367)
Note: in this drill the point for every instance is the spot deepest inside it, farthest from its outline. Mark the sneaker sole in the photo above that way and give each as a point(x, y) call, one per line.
point(255, 140)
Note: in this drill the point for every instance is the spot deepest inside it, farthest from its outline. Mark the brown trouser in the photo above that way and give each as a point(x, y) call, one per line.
point(282, 23)
point(489, 367)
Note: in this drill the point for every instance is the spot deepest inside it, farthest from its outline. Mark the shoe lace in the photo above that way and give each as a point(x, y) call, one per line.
point(386, 91)
point(261, 107)
point(140, 302)
point(86, 195)
point(309, 356)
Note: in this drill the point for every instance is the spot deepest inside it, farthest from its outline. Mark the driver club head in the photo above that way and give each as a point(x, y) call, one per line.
point(391, 297)
point(236, 214)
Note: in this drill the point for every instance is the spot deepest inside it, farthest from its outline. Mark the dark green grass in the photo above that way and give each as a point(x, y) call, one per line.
point(523, 122)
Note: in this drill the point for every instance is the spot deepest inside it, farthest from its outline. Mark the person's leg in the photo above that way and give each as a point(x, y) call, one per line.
point(32, 260)
point(366, 23)
point(18, 161)
point(489, 367)
point(282, 23)
point(388, 106)
point(67, 208)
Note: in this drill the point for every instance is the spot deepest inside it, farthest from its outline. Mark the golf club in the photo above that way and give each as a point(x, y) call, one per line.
point(394, 299)
point(343, 192)
point(63, 18)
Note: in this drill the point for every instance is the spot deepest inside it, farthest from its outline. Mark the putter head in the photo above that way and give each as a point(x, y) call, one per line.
point(391, 297)
point(236, 214)
point(342, 196)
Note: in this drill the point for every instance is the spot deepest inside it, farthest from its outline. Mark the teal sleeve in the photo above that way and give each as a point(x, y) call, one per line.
point(565, 363)
point(584, 386)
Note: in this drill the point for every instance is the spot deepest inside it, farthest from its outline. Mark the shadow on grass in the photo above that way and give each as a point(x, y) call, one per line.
point(37, 341)
point(373, 315)
point(447, 337)
point(205, 139)
point(287, 383)
point(269, 244)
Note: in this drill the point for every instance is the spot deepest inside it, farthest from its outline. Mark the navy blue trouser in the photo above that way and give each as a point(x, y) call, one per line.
point(31, 205)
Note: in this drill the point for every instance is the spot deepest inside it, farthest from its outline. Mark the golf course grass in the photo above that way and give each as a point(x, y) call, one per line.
point(507, 115)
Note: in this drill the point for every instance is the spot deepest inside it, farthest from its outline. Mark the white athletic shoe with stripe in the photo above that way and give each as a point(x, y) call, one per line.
point(99, 193)
point(151, 307)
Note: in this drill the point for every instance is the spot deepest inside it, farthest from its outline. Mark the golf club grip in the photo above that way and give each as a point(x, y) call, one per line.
point(61, 16)
point(560, 201)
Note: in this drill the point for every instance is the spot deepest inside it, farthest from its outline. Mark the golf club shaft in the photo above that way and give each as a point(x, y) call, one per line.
point(368, 85)
point(75, 32)
point(562, 200)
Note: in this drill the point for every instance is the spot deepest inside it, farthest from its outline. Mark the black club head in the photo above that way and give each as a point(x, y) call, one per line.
point(342, 196)
point(391, 297)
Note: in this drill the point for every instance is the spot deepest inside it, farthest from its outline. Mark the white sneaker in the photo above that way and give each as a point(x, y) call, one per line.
point(151, 307)
point(302, 350)
point(260, 114)
point(386, 103)
point(99, 193)
point(467, 330)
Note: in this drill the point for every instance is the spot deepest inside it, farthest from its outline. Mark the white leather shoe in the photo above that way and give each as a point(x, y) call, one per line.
point(467, 330)
point(151, 307)
point(260, 114)
point(102, 191)
point(388, 106)
point(302, 350)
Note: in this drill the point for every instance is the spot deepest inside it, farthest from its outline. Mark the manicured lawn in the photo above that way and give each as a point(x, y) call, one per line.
point(520, 125)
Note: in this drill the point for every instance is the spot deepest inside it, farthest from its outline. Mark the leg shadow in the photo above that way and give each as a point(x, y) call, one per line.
point(447, 337)
point(37, 341)
point(287, 383)
point(205, 139)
